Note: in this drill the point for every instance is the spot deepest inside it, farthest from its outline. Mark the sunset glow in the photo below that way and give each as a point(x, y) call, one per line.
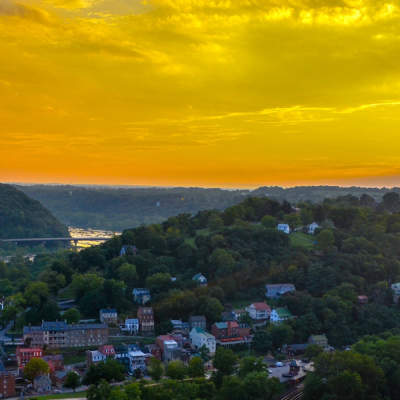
point(232, 93)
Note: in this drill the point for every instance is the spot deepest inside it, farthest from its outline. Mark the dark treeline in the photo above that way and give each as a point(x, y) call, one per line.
point(118, 209)
point(21, 216)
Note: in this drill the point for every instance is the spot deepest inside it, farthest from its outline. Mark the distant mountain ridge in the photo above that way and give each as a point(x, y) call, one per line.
point(122, 208)
point(23, 217)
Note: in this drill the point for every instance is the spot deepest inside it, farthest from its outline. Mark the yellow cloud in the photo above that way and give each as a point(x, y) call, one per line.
point(240, 92)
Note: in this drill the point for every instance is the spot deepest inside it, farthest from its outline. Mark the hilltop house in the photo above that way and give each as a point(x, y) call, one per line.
point(285, 228)
point(199, 338)
point(396, 291)
point(200, 279)
point(94, 357)
point(312, 228)
point(279, 315)
point(259, 313)
point(108, 316)
point(274, 291)
point(42, 384)
point(141, 295)
point(128, 250)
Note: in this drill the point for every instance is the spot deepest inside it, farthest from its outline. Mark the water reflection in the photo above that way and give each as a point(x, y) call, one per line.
point(88, 233)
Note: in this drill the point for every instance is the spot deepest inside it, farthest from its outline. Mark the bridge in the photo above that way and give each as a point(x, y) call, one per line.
point(74, 240)
point(57, 239)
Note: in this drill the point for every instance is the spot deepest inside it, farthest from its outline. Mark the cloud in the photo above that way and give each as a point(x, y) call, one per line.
point(9, 8)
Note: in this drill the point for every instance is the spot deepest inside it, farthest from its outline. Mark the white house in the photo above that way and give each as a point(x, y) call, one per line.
point(141, 295)
point(95, 356)
point(396, 291)
point(279, 315)
point(199, 338)
point(285, 228)
point(259, 311)
point(108, 316)
point(132, 325)
point(312, 228)
point(200, 279)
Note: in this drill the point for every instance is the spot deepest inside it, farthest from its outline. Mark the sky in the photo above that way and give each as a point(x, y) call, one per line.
point(231, 93)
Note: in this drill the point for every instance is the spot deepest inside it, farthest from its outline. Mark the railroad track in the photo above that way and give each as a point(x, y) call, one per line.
point(293, 395)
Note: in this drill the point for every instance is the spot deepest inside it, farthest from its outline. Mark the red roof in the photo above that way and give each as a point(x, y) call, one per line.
point(163, 338)
point(261, 306)
point(29, 350)
point(107, 349)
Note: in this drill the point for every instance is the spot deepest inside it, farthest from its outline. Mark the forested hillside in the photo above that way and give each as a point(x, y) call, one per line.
point(118, 209)
point(356, 252)
point(21, 216)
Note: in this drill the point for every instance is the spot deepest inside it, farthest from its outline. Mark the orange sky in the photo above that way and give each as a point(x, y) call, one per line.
point(234, 93)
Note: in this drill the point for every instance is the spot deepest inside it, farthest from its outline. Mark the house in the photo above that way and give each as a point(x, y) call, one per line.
point(274, 291)
point(362, 299)
point(128, 250)
point(55, 361)
point(259, 313)
point(396, 291)
point(146, 320)
point(295, 349)
point(58, 378)
point(24, 355)
point(239, 313)
point(167, 344)
point(199, 338)
point(312, 228)
point(42, 384)
point(94, 357)
point(320, 340)
point(132, 326)
point(279, 315)
point(176, 324)
point(197, 321)
point(141, 295)
point(107, 350)
point(200, 279)
point(57, 334)
point(7, 384)
point(228, 333)
point(131, 357)
point(108, 316)
point(285, 228)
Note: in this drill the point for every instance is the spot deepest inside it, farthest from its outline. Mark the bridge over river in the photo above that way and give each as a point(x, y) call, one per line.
point(75, 240)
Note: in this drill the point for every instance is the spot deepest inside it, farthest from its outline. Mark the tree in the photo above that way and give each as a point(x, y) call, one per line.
point(232, 389)
point(313, 351)
point(269, 222)
point(251, 364)
point(72, 316)
point(102, 391)
point(256, 385)
point(325, 239)
point(72, 380)
point(133, 391)
point(262, 341)
point(210, 307)
point(222, 262)
point(155, 369)
point(225, 360)
point(196, 368)
point(128, 274)
point(176, 370)
point(36, 294)
point(281, 334)
point(34, 368)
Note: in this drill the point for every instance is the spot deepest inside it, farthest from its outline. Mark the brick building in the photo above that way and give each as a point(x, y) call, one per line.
point(25, 354)
point(60, 334)
point(7, 384)
point(146, 320)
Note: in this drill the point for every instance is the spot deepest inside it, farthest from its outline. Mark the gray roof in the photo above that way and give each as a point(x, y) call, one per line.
point(61, 326)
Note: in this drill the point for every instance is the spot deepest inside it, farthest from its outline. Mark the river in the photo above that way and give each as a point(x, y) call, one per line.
point(87, 232)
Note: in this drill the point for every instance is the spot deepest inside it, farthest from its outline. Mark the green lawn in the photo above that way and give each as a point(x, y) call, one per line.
point(61, 396)
point(300, 239)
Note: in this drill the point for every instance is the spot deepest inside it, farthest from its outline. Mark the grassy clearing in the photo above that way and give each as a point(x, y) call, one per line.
point(300, 239)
